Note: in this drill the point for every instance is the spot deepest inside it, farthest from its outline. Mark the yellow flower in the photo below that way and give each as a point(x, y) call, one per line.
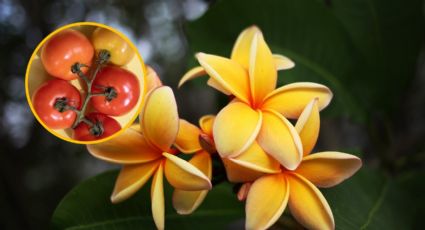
point(259, 112)
point(191, 139)
point(248, 166)
point(146, 151)
point(268, 196)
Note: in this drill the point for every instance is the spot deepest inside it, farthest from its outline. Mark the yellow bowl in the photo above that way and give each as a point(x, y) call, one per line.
point(37, 75)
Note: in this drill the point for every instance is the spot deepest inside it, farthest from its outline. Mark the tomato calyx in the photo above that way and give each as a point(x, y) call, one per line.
point(61, 105)
point(108, 92)
point(96, 129)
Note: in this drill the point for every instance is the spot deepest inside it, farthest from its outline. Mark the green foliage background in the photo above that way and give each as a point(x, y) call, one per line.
point(366, 51)
point(369, 52)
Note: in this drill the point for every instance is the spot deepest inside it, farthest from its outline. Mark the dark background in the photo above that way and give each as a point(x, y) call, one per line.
point(37, 169)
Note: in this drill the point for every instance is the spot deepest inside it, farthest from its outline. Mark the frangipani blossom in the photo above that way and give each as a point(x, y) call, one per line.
point(298, 189)
point(152, 79)
point(188, 141)
point(248, 166)
point(260, 111)
point(145, 151)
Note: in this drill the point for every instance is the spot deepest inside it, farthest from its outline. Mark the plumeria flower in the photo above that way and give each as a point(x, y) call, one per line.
point(268, 196)
point(248, 166)
point(191, 139)
point(259, 112)
point(145, 151)
point(152, 79)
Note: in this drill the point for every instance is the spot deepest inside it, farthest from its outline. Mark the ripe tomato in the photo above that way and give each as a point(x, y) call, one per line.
point(49, 94)
point(123, 89)
point(120, 50)
point(104, 126)
point(65, 49)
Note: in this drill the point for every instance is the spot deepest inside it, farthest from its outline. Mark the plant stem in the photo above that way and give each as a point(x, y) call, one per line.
point(102, 59)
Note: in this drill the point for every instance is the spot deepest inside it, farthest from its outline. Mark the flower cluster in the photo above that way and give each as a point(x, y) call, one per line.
point(259, 147)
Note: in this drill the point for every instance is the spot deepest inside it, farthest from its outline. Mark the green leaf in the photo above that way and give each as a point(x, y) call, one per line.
point(389, 35)
point(88, 206)
point(370, 200)
point(303, 30)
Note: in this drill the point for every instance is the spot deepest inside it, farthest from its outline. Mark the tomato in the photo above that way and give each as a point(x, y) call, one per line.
point(65, 49)
point(122, 87)
point(120, 50)
point(49, 94)
point(104, 126)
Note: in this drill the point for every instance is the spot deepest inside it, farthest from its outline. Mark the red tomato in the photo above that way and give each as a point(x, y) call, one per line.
point(47, 95)
point(123, 88)
point(105, 126)
point(65, 49)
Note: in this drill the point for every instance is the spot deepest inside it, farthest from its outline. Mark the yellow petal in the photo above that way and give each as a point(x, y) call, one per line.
point(266, 201)
point(279, 138)
point(192, 74)
point(229, 74)
point(243, 191)
point(152, 79)
point(187, 140)
point(130, 147)
point(235, 128)
point(131, 179)
point(239, 174)
point(183, 175)
point(290, 100)
point(242, 47)
point(262, 70)
point(327, 169)
point(218, 86)
point(206, 123)
point(185, 202)
point(157, 197)
point(281, 62)
point(308, 126)
point(307, 204)
point(256, 159)
point(159, 119)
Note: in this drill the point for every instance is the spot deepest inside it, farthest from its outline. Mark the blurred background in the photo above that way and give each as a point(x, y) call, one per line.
point(370, 53)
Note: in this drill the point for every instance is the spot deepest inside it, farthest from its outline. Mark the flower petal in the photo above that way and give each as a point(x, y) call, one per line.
point(280, 139)
point(130, 147)
point(235, 128)
point(185, 202)
point(291, 99)
point(243, 191)
point(281, 62)
point(256, 159)
point(262, 69)
point(157, 197)
point(242, 47)
point(187, 140)
point(308, 126)
point(206, 123)
point(193, 73)
point(159, 119)
point(327, 169)
point(239, 174)
point(183, 175)
point(152, 79)
point(131, 179)
point(229, 74)
point(266, 201)
point(218, 86)
point(307, 204)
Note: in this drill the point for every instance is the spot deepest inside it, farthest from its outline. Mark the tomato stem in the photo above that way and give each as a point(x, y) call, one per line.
point(76, 69)
point(102, 59)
